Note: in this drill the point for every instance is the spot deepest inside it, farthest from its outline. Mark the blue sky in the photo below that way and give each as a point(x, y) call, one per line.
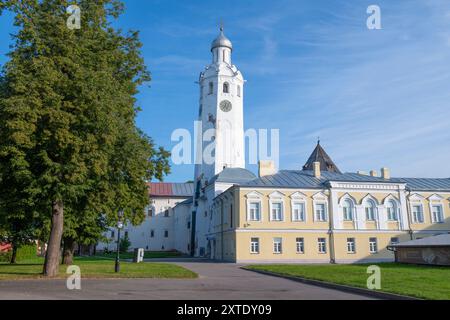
point(375, 97)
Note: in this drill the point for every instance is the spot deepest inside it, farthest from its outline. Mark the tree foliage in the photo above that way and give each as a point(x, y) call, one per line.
point(70, 151)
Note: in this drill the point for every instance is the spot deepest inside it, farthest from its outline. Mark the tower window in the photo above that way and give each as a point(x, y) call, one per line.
point(238, 91)
point(211, 88)
point(226, 88)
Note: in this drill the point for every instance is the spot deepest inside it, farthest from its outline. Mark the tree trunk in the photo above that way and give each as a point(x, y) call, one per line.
point(51, 267)
point(14, 254)
point(69, 250)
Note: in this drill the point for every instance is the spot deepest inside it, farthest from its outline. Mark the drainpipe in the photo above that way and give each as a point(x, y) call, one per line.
point(331, 229)
point(221, 229)
point(408, 211)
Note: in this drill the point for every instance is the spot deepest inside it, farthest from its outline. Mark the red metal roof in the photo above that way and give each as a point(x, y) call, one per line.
point(161, 189)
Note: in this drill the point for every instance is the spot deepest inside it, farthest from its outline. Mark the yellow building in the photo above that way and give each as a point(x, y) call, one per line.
point(320, 215)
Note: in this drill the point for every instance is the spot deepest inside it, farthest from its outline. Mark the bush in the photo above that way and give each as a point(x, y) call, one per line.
point(26, 252)
point(5, 257)
point(125, 244)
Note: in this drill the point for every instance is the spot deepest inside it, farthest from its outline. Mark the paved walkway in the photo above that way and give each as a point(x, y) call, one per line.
point(216, 282)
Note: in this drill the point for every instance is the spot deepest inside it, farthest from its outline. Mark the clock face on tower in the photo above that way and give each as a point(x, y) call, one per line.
point(226, 106)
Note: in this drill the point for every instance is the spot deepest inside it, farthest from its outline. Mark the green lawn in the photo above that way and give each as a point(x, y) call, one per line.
point(147, 255)
point(427, 282)
point(96, 268)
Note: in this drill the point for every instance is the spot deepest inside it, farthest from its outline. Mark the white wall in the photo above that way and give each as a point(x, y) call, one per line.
point(140, 236)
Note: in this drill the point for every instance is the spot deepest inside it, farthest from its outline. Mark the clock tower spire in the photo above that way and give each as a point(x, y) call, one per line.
point(221, 112)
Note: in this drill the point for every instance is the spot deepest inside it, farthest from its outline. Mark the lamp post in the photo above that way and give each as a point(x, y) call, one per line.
point(119, 227)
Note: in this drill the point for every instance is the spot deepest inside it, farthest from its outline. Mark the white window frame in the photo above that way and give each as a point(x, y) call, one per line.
point(436, 201)
point(276, 197)
point(320, 199)
point(352, 209)
point(322, 245)
point(277, 245)
point(370, 204)
point(255, 245)
point(279, 217)
point(371, 245)
point(300, 245)
point(351, 245)
point(441, 213)
point(414, 217)
point(325, 213)
point(257, 211)
point(395, 208)
point(302, 213)
point(254, 197)
point(299, 198)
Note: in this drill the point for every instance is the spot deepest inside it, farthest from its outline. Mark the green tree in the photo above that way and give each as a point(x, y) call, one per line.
point(69, 145)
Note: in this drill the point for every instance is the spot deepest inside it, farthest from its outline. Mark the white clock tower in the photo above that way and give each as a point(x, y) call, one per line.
point(221, 112)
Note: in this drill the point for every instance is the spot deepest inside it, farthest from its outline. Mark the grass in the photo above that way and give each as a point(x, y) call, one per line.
point(426, 282)
point(96, 268)
point(147, 255)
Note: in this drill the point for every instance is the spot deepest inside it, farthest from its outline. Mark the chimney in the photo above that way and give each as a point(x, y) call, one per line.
point(373, 173)
point(386, 173)
point(267, 168)
point(317, 173)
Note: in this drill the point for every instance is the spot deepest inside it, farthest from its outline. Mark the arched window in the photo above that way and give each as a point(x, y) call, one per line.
point(392, 210)
point(224, 56)
point(211, 88)
point(348, 210)
point(226, 88)
point(370, 210)
point(238, 91)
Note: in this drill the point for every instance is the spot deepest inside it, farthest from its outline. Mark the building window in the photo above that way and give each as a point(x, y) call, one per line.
point(277, 245)
point(298, 211)
point(166, 234)
point(211, 88)
point(373, 245)
point(255, 212)
point(152, 233)
point(151, 212)
point(348, 210)
point(436, 211)
point(226, 88)
point(238, 91)
point(112, 234)
point(392, 210)
point(321, 214)
point(254, 246)
point(370, 210)
point(167, 213)
point(189, 225)
point(126, 234)
point(417, 214)
point(395, 241)
point(206, 214)
point(351, 246)
point(300, 245)
point(322, 243)
point(277, 211)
